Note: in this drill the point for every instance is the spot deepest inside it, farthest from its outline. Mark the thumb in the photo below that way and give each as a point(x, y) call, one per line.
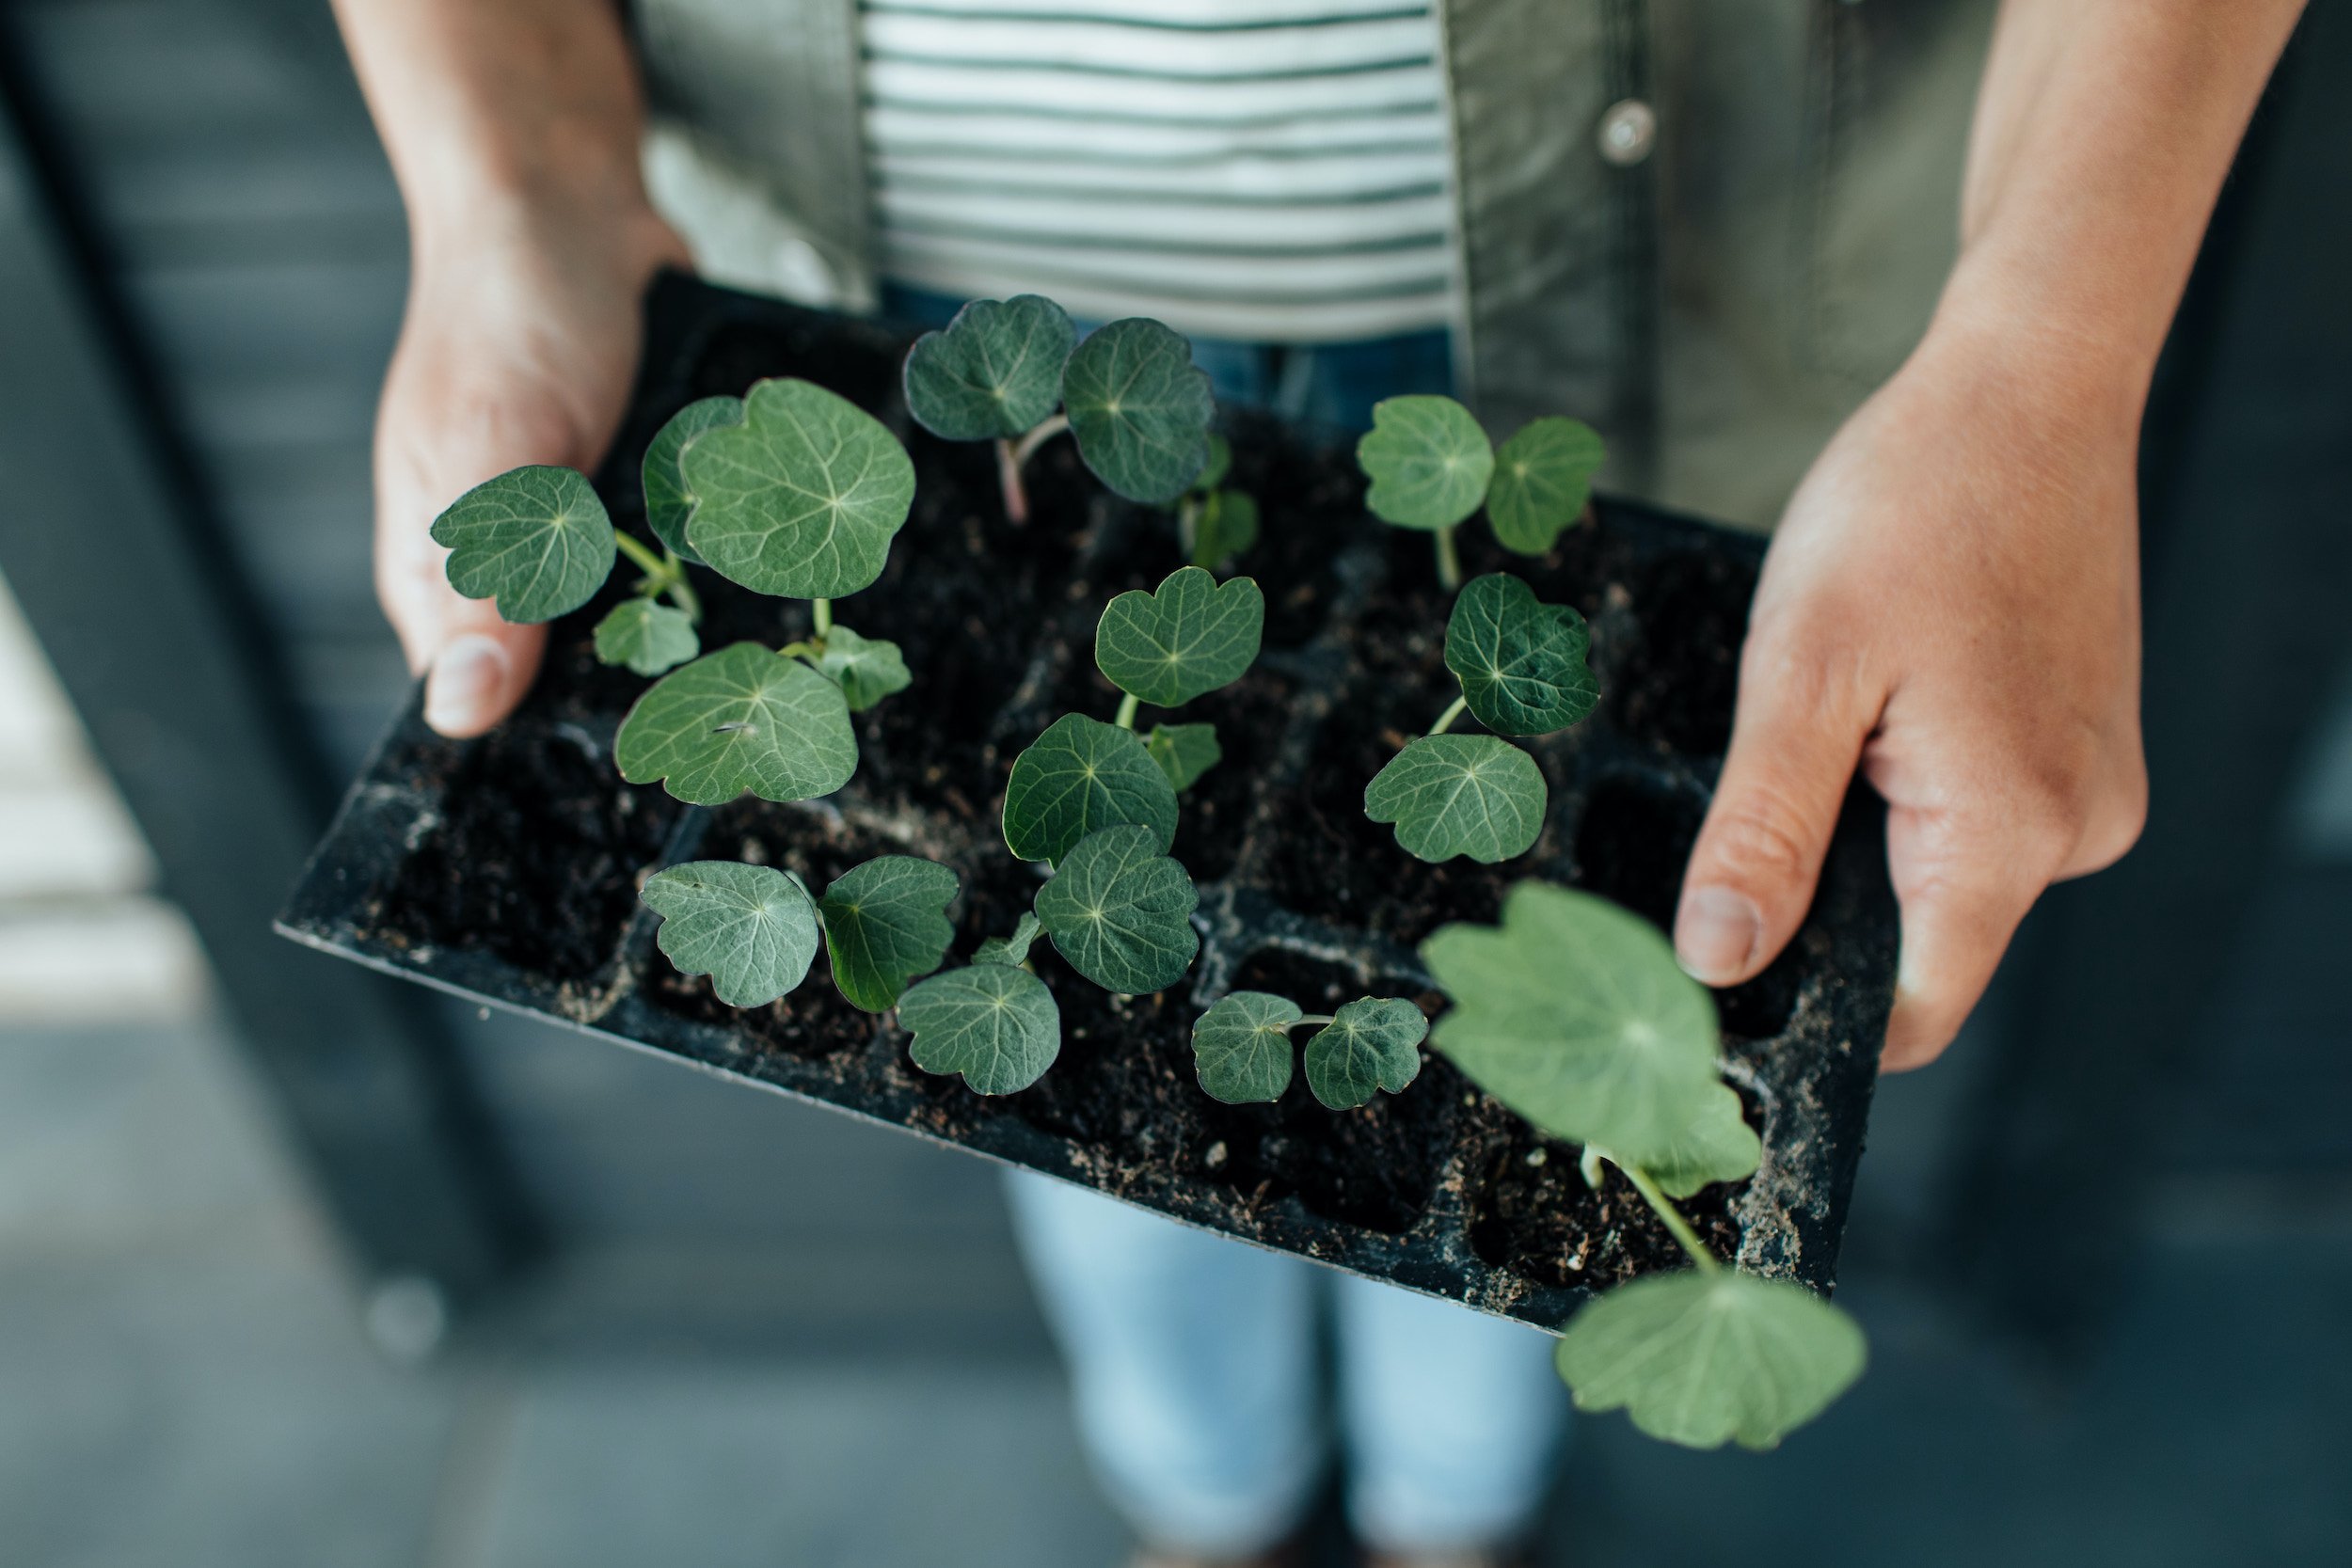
point(1795, 740)
point(480, 670)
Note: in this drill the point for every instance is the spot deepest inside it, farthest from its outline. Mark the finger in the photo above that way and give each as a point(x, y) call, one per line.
point(1799, 731)
point(1963, 886)
point(480, 670)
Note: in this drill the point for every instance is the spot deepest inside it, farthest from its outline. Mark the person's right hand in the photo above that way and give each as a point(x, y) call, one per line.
point(520, 345)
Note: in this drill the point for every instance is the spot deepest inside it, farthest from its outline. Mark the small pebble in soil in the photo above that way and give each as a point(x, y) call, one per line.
point(1216, 1154)
point(1536, 1156)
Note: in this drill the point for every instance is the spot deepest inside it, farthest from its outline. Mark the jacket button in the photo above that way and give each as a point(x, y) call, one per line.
point(1628, 131)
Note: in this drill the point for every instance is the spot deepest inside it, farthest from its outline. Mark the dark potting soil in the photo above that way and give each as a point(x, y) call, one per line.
point(526, 846)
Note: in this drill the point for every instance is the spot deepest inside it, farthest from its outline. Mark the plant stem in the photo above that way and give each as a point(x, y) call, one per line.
point(657, 571)
point(1047, 431)
point(1009, 481)
point(1189, 525)
point(1673, 1217)
point(1309, 1020)
point(822, 610)
point(1127, 706)
point(682, 593)
point(1445, 720)
point(1449, 562)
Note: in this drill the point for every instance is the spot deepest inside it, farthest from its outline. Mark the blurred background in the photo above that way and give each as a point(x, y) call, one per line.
point(299, 1267)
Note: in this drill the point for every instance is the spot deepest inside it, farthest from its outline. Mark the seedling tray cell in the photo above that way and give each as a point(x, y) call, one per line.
point(506, 869)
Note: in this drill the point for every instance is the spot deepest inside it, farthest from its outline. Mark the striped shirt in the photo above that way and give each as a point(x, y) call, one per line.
point(1267, 170)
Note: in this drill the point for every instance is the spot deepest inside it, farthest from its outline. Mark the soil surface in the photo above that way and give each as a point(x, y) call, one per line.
point(535, 849)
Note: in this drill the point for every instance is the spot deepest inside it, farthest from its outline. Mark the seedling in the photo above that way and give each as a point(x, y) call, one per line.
point(1432, 466)
point(1213, 523)
point(1242, 1049)
point(1574, 1014)
point(1014, 372)
point(1521, 666)
point(995, 1021)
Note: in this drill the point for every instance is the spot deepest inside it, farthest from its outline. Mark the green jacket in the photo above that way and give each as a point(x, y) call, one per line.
point(1708, 227)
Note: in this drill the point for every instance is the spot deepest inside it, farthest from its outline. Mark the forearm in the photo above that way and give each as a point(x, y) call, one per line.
point(493, 114)
point(2103, 130)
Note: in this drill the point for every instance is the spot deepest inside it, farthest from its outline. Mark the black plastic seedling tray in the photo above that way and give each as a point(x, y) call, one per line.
point(506, 869)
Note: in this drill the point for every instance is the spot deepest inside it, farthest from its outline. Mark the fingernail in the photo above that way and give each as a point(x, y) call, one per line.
point(1716, 933)
point(467, 678)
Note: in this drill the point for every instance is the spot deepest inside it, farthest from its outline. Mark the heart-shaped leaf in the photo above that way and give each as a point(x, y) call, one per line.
point(1428, 461)
point(995, 1023)
point(1189, 636)
point(1013, 949)
point(1574, 1013)
point(1242, 1046)
point(886, 922)
point(1121, 912)
point(801, 499)
point(749, 927)
point(1226, 526)
point(744, 718)
point(1543, 478)
point(1460, 795)
point(668, 504)
point(1220, 463)
point(1184, 751)
point(993, 372)
point(1520, 661)
point(646, 635)
point(535, 539)
point(867, 668)
point(1371, 1043)
point(1711, 1355)
point(1715, 1144)
point(1139, 409)
point(1079, 776)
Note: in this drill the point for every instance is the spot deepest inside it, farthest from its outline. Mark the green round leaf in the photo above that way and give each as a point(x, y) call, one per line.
point(1543, 478)
point(744, 718)
point(1184, 751)
point(1189, 636)
point(1460, 795)
point(749, 927)
point(802, 499)
point(1226, 526)
point(1139, 409)
point(1242, 1046)
point(1428, 461)
point(1220, 463)
point(1371, 1043)
point(647, 636)
point(1709, 1356)
point(536, 539)
point(668, 504)
point(1013, 949)
point(994, 373)
point(886, 922)
point(1121, 912)
point(1079, 776)
point(1574, 1013)
point(1520, 661)
point(1715, 1144)
point(995, 1023)
point(867, 668)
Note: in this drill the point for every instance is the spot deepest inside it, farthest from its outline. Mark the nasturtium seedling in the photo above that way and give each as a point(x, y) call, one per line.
point(1543, 479)
point(995, 1024)
point(1188, 637)
point(668, 504)
point(1013, 949)
point(645, 636)
point(1711, 1355)
point(1371, 1044)
point(886, 922)
point(1452, 795)
point(751, 928)
point(802, 498)
point(1428, 461)
point(1139, 409)
point(866, 668)
point(1184, 751)
point(1080, 776)
point(745, 718)
point(534, 539)
point(1241, 1047)
point(1226, 525)
point(994, 373)
point(1120, 911)
point(1522, 662)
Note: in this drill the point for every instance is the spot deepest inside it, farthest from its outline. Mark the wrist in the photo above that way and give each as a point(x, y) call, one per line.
point(2065, 339)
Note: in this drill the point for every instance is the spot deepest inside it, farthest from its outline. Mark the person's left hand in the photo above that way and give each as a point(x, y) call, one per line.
point(1952, 602)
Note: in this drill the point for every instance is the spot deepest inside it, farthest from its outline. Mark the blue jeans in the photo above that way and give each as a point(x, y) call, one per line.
point(1193, 1357)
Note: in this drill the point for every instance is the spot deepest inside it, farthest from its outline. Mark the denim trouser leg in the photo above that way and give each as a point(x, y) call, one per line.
point(1192, 1363)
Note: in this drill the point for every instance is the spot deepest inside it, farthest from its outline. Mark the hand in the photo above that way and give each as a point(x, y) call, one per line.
point(520, 345)
point(1951, 601)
